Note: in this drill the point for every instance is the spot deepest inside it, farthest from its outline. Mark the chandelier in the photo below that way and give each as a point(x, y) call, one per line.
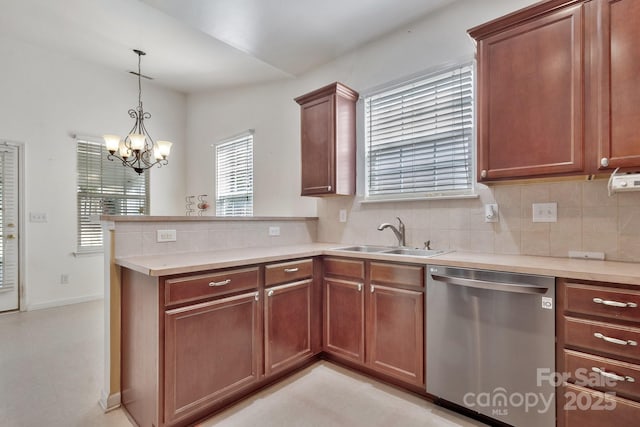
point(138, 150)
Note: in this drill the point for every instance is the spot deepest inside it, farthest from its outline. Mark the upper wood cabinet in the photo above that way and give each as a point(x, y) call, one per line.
point(530, 97)
point(557, 90)
point(615, 85)
point(328, 141)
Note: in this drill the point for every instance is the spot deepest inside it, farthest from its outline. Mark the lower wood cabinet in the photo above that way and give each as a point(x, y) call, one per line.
point(211, 350)
point(598, 330)
point(288, 313)
point(374, 316)
point(396, 333)
point(344, 319)
point(582, 407)
point(193, 343)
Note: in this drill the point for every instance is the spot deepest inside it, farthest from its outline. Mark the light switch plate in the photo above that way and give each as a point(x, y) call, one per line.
point(166, 236)
point(342, 215)
point(37, 217)
point(274, 231)
point(545, 212)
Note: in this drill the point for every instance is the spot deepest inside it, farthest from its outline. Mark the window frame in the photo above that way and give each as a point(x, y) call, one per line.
point(238, 138)
point(364, 164)
point(97, 195)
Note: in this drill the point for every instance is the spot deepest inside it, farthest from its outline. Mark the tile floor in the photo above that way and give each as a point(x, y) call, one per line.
point(51, 375)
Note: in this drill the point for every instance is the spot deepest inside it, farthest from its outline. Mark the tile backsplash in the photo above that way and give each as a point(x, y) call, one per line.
point(588, 220)
point(139, 238)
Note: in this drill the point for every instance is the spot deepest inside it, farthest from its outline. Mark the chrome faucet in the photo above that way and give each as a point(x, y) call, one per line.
point(399, 232)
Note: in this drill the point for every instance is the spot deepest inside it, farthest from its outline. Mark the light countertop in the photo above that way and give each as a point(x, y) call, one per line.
point(605, 271)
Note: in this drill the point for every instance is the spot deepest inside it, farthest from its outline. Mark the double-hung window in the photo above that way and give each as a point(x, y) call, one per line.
point(419, 137)
point(105, 187)
point(234, 176)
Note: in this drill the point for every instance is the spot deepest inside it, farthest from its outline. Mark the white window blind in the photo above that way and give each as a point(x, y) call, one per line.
point(419, 136)
point(105, 187)
point(234, 176)
point(8, 218)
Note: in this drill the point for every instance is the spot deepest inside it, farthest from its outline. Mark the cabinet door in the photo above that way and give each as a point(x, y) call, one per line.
point(287, 327)
point(616, 82)
point(395, 343)
point(530, 108)
point(344, 319)
point(318, 146)
point(211, 350)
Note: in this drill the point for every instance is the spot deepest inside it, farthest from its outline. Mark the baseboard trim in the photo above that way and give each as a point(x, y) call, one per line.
point(109, 403)
point(64, 301)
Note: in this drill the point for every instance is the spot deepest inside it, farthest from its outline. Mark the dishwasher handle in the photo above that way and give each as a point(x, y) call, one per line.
point(493, 286)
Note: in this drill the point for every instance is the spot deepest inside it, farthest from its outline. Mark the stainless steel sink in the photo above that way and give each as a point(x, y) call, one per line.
point(392, 251)
point(364, 248)
point(414, 252)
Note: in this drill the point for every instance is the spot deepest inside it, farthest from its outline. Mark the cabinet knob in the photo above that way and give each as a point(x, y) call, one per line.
point(373, 288)
point(270, 293)
point(604, 162)
point(359, 287)
point(483, 173)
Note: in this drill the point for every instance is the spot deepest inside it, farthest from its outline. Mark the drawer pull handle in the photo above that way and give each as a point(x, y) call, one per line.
point(224, 282)
point(615, 340)
point(613, 376)
point(615, 303)
point(291, 270)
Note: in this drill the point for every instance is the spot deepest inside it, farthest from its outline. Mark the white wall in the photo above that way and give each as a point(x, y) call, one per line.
point(46, 97)
point(271, 111)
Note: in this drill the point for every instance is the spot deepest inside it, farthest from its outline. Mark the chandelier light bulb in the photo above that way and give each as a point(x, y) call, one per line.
point(137, 141)
point(123, 150)
point(156, 152)
point(112, 143)
point(164, 148)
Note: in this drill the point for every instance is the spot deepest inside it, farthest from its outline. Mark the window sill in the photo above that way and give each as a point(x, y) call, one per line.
point(82, 254)
point(419, 198)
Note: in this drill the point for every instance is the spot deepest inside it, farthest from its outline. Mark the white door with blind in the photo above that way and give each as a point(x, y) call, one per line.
point(9, 249)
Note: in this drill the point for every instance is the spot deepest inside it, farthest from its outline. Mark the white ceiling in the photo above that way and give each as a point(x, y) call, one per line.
point(202, 44)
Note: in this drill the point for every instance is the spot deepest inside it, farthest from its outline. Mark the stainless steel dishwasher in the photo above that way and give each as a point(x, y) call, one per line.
point(490, 343)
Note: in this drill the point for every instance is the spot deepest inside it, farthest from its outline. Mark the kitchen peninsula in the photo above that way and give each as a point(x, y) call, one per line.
point(279, 296)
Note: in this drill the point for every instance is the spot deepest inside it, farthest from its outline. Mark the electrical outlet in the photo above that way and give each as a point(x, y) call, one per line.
point(37, 217)
point(342, 216)
point(274, 231)
point(64, 279)
point(491, 212)
point(545, 212)
point(166, 236)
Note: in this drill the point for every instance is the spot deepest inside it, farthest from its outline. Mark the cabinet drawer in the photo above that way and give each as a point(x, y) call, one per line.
point(288, 271)
point(344, 267)
point(192, 288)
point(603, 337)
point(580, 407)
point(622, 304)
point(604, 374)
point(408, 275)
